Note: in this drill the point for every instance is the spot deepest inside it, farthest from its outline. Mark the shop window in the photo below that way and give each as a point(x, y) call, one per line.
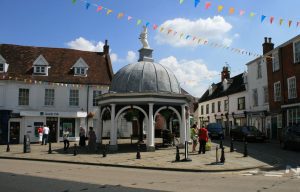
point(67, 124)
point(96, 93)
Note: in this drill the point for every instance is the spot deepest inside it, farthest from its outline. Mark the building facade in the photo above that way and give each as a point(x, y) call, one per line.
point(50, 86)
point(224, 102)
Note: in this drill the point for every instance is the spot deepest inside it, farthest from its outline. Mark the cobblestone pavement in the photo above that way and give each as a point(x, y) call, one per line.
point(162, 158)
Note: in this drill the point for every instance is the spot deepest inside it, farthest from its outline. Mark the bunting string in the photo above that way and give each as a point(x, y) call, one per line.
point(241, 12)
point(168, 31)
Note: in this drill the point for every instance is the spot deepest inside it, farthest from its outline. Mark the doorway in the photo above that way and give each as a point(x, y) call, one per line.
point(14, 132)
point(52, 123)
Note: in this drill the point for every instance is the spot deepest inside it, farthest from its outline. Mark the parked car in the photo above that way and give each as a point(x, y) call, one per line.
point(290, 137)
point(250, 133)
point(215, 130)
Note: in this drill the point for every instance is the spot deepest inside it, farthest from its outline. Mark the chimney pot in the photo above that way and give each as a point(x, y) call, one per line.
point(266, 39)
point(270, 39)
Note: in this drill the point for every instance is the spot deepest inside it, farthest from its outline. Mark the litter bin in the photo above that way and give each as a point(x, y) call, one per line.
point(26, 144)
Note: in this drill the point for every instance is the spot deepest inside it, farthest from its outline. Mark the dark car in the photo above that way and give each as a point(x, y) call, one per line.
point(215, 130)
point(250, 133)
point(290, 137)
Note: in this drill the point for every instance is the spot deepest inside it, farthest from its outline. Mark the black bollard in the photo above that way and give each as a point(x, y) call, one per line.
point(222, 159)
point(177, 154)
point(104, 151)
point(245, 148)
point(217, 154)
point(231, 145)
point(221, 143)
point(138, 154)
point(75, 149)
point(49, 150)
point(7, 147)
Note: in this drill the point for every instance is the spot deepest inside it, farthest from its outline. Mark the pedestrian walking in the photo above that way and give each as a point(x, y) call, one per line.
point(66, 139)
point(92, 139)
point(40, 132)
point(46, 132)
point(82, 137)
point(203, 138)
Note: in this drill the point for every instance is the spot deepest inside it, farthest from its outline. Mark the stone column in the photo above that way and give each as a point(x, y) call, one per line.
point(188, 127)
point(183, 126)
point(113, 131)
point(150, 136)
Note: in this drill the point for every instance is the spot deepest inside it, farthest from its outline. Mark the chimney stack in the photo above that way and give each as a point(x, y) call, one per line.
point(267, 45)
point(106, 48)
point(225, 74)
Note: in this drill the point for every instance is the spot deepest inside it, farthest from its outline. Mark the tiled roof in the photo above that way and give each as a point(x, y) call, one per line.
point(61, 60)
point(236, 86)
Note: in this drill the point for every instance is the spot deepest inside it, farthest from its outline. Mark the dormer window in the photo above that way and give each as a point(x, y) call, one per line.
point(3, 65)
point(40, 66)
point(80, 71)
point(80, 68)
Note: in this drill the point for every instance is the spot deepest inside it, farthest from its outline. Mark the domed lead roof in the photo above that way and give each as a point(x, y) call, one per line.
point(144, 76)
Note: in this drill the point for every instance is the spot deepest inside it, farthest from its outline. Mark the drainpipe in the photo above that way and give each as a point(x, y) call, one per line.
point(87, 108)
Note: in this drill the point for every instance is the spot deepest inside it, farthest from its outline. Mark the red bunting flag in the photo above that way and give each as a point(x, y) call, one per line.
point(290, 23)
point(207, 5)
point(271, 19)
point(155, 26)
point(99, 8)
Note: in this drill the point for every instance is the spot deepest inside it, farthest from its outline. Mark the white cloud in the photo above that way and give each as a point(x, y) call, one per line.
point(131, 57)
point(113, 57)
point(193, 75)
point(85, 45)
point(212, 29)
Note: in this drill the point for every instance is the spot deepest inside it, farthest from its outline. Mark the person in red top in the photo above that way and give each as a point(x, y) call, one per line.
point(203, 138)
point(40, 132)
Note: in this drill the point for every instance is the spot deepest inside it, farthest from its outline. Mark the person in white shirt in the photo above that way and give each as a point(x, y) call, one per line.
point(66, 139)
point(46, 132)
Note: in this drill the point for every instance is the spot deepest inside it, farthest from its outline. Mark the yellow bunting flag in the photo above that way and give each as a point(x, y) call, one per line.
point(181, 35)
point(220, 8)
point(280, 21)
point(161, 29)
point(138, 22)
point(252, 14)
point(108, 11)
point(231, 10)
point(120, 15)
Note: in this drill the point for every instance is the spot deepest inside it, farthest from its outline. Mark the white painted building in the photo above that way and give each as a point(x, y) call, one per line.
point(256, 81)
point(52, 86)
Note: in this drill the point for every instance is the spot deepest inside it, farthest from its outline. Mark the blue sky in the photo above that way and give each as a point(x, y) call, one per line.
point(59, 23)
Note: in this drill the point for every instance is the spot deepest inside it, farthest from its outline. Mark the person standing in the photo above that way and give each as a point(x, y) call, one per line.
point(46, 132)
point(194, 136)
point(40, 132)
point(66, 139)
point(203, 138)
point(82, 137)
point(92, 139)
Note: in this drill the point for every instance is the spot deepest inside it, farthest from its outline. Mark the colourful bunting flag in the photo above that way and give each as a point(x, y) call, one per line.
point(197, 2)
point(220, 8)
point(120, 15)
point(194, 38)
point(129, 18)
point(175, 32)
point(231, 10)
point(207, 5)
point(242, 12)
point(73, 1)
point(99, 8)
point(298, 23)
point(155, 26)
point(181, 1)
point(262, 18)
point(87, 5)
point(161, 29)
point(187, 36)
point(252, 14)
point(169, 31)
point(108, 11)
point(147, 24)
point(280, 21)
point(181, 35)
point(271, 19)
point(138, 22)
point(290, 23)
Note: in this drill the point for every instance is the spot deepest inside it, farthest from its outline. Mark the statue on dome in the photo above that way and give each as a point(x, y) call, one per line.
point(143, 38)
